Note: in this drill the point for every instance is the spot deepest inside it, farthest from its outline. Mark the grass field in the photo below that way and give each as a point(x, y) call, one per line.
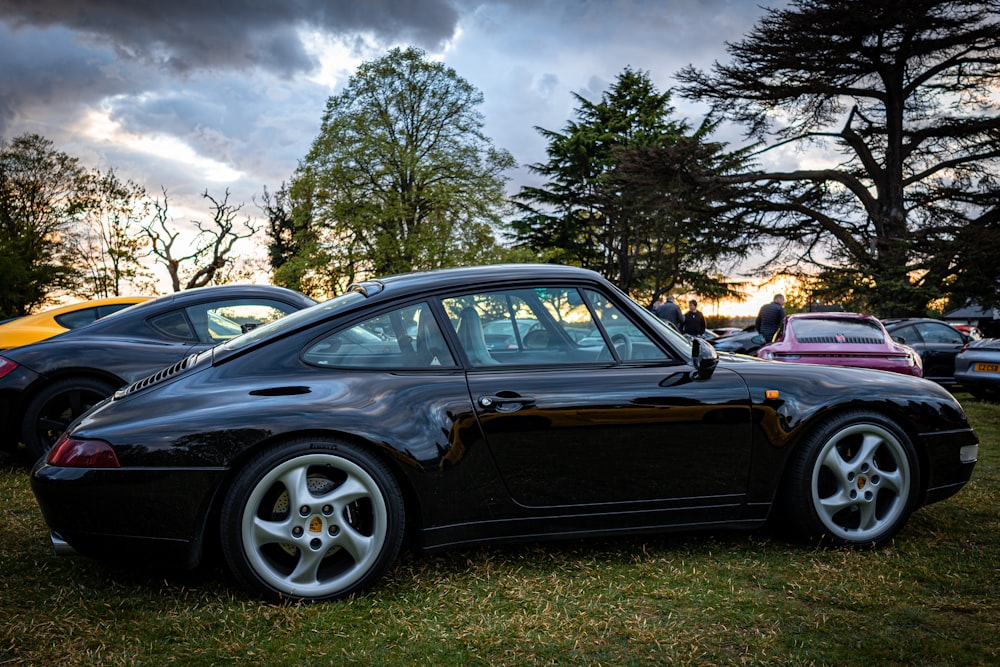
point(931, 598)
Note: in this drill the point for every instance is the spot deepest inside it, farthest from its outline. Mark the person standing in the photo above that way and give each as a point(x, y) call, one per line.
point(670, 312)
point(770, 317)
point(694, 321)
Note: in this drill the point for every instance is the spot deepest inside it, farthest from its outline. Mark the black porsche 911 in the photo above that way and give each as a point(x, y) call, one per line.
point(307, 450)
point(45, 385)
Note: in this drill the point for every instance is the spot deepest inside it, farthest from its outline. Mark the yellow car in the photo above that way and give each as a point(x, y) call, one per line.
point(48, 323)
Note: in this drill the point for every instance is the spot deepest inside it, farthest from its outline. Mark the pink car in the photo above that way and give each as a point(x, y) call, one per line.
point(841, 339)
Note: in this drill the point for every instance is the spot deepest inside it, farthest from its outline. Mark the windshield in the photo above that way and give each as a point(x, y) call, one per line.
point(289, 322)
point(836, 329)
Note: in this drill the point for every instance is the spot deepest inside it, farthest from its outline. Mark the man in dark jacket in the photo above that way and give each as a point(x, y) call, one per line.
point(668, 311)
point(771, 316)
point(694, 321)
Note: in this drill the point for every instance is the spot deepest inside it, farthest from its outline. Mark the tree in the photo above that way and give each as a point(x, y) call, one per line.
point(401, 176)
point(42, 191)
point(211, 251)
point(618, 199)
point(109, 243)
point(902, 92)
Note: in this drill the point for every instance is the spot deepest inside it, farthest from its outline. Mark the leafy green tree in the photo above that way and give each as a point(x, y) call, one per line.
point(42, 192)
point(109, 244)
point(900, 98)
point(401, 176)
point(618, 199)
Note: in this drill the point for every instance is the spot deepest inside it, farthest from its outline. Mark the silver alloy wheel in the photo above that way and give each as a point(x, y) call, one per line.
point(861, 482)
point(314, 525)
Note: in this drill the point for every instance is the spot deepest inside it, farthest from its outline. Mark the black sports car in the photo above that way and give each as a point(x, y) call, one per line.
point(743, 342)
point(935, 341)
point(45, 385)
point(308, 449)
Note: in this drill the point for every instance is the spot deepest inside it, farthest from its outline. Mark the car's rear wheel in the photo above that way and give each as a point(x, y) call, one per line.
point(55, 407)
point(852, 482)
point(311, 520)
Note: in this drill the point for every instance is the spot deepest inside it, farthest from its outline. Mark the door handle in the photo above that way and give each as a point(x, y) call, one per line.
point(505, 403)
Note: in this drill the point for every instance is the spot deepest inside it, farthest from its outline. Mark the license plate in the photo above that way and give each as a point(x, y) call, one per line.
point(986, 368)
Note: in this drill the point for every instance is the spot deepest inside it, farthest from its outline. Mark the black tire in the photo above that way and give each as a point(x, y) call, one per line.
point(310, 520)
point(52, 410)
point(852, 482)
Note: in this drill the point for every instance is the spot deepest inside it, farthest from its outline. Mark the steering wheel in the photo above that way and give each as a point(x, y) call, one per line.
point(623, 345)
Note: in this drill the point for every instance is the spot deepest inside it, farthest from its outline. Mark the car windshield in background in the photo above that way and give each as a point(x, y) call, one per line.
point(836, 330)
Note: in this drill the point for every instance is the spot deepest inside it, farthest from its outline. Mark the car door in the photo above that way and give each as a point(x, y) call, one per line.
point(594, 410)
point(941, 344)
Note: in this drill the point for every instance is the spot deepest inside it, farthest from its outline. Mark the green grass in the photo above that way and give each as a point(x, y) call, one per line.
point(932, 597)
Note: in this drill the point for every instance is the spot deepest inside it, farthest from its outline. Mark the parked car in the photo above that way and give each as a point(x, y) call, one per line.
point(744, 342)
point(935, 341)
point(39, 326)
point(840, 339)
point(977, 368)
point(309, 460)
point(722, 332)
point(970, 330)
point(45, 385)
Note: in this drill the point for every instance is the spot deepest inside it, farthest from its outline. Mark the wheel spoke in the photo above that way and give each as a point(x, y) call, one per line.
point(869, 519)
point(350, 490)
point(270, 532)
point(306, 572)
point(892, 481)
point(354, 543)
point(296, 482)
point(840, 468)
point(836, 503)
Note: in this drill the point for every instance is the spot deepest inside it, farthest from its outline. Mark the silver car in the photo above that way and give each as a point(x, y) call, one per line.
point(977, 368)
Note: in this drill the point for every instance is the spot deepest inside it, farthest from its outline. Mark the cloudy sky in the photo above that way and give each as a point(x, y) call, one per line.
point(192, 95)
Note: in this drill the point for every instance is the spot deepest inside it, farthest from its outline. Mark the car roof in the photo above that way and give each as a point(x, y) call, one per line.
point(481, 275)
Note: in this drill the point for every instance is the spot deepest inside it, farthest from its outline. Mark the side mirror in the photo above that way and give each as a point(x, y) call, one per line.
point(899, 339)
point(704, 358)
point(757, 340)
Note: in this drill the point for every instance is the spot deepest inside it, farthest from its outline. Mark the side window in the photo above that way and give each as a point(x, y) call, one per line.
point(174, 325)
point(908, 334)
point(629, 340)
point(937, 333)
point(77, 318)
point(405, 338)
point(543, 326)
point(219, 321)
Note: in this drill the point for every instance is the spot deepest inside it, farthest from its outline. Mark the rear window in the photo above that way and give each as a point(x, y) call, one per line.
point(837, 330)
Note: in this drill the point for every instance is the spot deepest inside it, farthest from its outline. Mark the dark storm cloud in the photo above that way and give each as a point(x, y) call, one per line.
point(186, 35)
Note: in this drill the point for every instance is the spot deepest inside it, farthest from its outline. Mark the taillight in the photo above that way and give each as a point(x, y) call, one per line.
point(72, 453)
point(6, 366)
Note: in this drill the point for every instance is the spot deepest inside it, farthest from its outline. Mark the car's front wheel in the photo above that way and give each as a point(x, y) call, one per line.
point(311, 520)
point(852, 482)
point(55, 407)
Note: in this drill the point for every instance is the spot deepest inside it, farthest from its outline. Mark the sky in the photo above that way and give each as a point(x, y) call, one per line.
point(187, 96)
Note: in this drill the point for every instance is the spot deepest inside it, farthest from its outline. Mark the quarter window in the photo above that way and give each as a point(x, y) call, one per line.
point(405, 338)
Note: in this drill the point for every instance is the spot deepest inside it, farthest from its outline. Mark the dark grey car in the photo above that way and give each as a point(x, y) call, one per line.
point(977, 368)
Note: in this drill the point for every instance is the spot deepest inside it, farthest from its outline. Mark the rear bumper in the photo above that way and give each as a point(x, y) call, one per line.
point(127, 514)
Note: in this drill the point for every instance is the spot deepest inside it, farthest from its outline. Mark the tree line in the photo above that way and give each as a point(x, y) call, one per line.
point(895, 101)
